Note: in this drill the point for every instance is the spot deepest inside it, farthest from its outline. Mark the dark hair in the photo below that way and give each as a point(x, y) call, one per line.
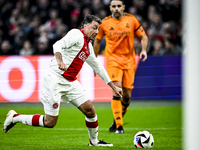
point(171, 40)
point(119, 0)
point(89, 18)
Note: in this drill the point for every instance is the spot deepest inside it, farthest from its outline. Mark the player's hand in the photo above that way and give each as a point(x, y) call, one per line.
point(143, 55)
point(118, 91)
point(62, 66)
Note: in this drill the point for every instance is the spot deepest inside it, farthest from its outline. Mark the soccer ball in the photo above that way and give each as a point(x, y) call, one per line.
point(143, 139)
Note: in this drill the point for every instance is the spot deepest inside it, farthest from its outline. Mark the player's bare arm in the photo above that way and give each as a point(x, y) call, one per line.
point(118, 91)
point(96, 46)
point(60, 62)
point(144, 43)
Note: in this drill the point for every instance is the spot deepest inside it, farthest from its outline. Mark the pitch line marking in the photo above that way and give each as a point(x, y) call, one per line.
point(103, 129)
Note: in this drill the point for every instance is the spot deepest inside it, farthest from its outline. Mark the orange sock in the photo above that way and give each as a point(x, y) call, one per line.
point(117, 111)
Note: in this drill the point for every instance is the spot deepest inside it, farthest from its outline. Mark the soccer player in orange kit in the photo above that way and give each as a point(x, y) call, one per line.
point(119, 30)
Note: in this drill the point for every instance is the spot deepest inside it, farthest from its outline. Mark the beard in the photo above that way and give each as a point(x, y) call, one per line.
point(117, 15)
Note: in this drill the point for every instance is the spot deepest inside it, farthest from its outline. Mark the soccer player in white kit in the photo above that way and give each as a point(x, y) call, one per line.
point(60, 81)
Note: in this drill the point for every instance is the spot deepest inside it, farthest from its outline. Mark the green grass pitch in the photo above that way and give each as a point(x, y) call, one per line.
point(162, 119)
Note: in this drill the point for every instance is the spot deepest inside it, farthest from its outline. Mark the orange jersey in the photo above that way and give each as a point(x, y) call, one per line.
point(119, 36)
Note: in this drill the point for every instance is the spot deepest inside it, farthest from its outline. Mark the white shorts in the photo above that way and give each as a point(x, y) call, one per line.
point(55, 87)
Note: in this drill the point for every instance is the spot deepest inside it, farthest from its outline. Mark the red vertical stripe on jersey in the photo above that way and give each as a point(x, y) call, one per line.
point(77, 63)
point(35, 120)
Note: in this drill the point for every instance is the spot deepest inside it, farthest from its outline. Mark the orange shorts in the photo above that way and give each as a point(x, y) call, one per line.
point(126, 76)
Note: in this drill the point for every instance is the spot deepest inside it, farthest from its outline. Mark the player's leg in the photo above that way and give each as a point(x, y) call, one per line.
point(49, 120)
point(91, 122)
point(117, 112)
point(126, 99)
point(50, 98)
point(123, 105)
point(128, 81)
point(127, 86)
point(79, 98)
point(116, 75)
point(13, 117)
point(33, 120)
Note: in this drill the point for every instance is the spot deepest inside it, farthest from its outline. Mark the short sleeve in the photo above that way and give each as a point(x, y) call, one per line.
point(139, 30)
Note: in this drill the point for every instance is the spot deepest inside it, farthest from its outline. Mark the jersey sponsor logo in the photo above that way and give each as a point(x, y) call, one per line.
point(119, 35)
point(55, 105)
point(82, 56)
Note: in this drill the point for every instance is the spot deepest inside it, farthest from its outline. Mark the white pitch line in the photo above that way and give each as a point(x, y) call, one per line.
point(103, 129)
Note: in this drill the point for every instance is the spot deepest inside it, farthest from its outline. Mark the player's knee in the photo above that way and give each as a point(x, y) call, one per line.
point(126, 98)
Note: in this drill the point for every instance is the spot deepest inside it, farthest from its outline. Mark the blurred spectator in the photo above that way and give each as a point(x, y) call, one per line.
point(170, 47)
point(74, 19)
point(22, 20)
point(6, 9)
point(97, 5)
point(17, 38)
point(133, 11)
point(157, 25)
point(26, 25)
point(84, 11)
point(65, 9)
point(34, 31)
point(61, 31)
point(157, 48)
point(43, 10)
point(165, 9)
point(152, 37)
point(25, 7)
point(27, 49)
point(42, 46)
point(51, 23)
point(141, 8)
point(6, 48)
point(151, 12)
point(102, 14)
point(145, 24)
point(15, 19)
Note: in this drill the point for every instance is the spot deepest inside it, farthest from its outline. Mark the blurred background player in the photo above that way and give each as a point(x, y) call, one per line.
point(119, 30)
point(60, 82)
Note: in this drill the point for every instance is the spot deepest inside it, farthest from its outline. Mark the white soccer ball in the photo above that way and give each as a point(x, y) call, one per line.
point(143, 139)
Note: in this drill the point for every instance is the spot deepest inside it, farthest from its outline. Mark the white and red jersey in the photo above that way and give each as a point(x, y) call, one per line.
point(75, 49)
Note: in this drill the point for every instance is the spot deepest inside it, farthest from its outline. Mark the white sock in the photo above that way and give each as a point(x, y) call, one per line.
point(92, 125)
point(32, 120)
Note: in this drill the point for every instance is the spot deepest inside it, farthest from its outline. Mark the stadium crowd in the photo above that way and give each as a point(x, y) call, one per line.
point(31, 27)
